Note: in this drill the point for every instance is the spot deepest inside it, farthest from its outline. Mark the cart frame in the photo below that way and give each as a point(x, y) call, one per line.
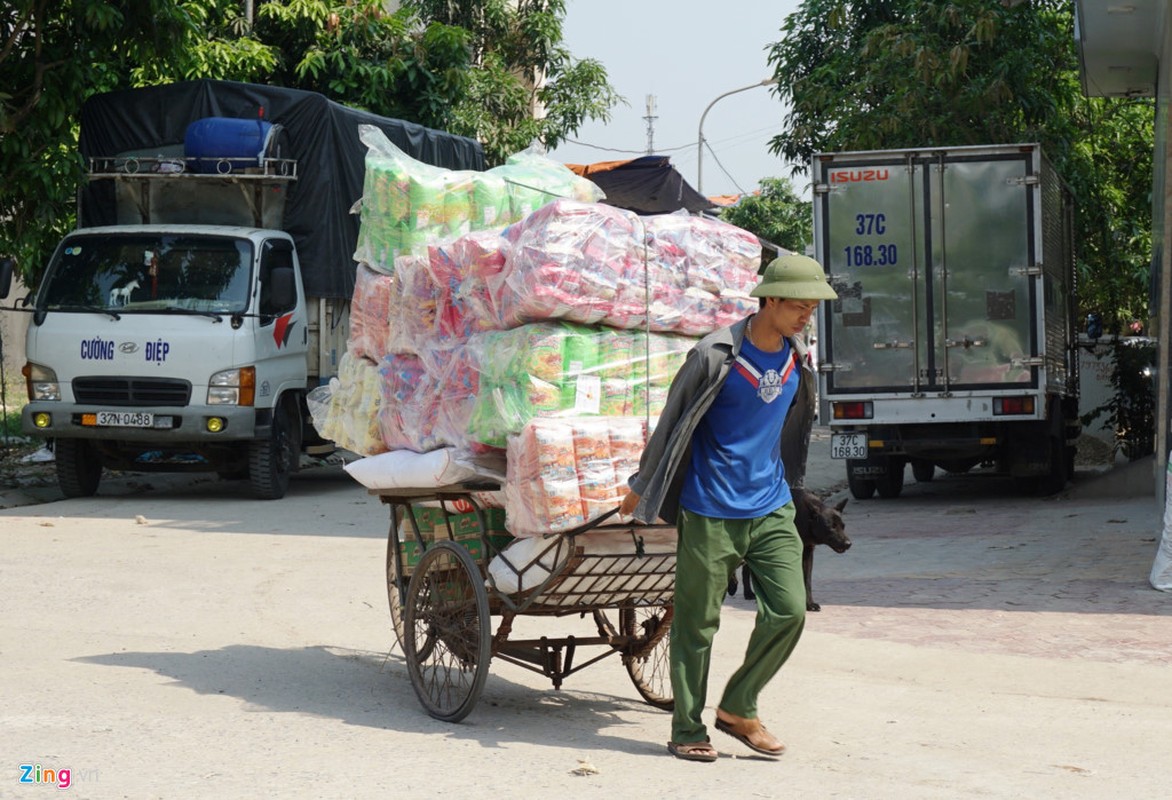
point(441, 606)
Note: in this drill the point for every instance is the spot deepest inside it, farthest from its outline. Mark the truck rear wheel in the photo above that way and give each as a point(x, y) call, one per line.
point(861, 488)
point(79, 467)
point(1054, 481)
point(923, 471)
point(272, 461)
point(890, 484)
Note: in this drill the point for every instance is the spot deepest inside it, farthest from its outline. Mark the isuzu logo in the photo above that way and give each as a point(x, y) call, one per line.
point(128, 348)
point(858, 175)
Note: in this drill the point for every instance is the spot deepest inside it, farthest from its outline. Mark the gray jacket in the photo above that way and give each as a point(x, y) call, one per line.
point(693, 390)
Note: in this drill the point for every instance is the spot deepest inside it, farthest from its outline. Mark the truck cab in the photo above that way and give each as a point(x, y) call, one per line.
point(170, 347)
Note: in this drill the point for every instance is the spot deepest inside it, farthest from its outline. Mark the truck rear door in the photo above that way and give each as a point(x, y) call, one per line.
point(931, 254)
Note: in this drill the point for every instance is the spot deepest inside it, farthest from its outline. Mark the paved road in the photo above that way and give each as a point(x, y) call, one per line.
point(184, 641)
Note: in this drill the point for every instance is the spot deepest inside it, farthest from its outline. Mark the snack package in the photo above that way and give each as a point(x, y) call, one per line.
point(562, 473)
point(351, 420)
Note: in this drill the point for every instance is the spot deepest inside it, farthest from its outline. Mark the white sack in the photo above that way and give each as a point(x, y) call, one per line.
point(406, 469)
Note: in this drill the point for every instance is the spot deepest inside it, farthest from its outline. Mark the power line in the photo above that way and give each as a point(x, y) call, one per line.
point(722, 169)
point(689, 146)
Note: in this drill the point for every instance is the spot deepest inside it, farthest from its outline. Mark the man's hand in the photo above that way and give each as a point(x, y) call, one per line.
point(627, 507)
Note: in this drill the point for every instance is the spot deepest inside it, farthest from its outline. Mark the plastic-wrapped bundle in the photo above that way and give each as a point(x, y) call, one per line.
point(370, 313)
point(564, 472)
point(352, 419)
point(400, 376)
point(559, 369)
point(408, 205)
point(457, 384)
point(533, 180)
point(715, 255)
point(564, 262)
point(462, 271)
point(416, 305)
point(591, 263)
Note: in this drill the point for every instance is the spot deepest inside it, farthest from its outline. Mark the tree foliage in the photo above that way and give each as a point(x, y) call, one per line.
point(52, 56)
point(461, 65)
point(775, 213)
point(913, 73)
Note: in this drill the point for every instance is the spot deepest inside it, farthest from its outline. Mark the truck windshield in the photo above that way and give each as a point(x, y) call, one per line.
point(129, 273)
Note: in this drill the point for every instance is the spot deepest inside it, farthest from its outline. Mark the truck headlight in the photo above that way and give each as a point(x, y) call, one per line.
point(233, 387)
point(40, 382)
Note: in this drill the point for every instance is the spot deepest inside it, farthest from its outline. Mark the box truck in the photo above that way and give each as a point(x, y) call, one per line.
point(206, 289)
point(952, 343)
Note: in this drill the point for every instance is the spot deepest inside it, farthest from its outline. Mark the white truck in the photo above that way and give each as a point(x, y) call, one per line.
point(952, 343)
point(206, 290)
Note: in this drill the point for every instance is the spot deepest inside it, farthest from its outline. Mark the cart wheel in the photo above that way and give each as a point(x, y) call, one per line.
point(447, 639)
point(395, 592)
point(647, 657)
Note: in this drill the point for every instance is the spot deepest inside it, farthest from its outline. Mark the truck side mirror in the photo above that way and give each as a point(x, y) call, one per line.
point(282, 287)
point(6, 267)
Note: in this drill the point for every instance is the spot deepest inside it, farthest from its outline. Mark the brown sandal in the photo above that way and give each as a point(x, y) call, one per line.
point(694, 751)
point(741, 731)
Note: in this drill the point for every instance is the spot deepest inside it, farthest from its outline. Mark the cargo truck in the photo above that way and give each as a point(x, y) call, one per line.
point(206, 290)
point(952, 343)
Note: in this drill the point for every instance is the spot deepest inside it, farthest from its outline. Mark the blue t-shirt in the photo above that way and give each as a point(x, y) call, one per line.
point(736, 470)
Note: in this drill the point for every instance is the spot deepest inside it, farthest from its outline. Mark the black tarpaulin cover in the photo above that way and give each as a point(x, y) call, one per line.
point(646, 185)
point(320, 134)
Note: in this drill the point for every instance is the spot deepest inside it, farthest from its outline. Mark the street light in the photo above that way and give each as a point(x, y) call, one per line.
point(700, 133)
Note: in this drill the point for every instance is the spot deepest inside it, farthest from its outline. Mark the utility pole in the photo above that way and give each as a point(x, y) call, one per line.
point(650, 118)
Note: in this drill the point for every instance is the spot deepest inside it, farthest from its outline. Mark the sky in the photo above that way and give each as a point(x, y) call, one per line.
point(685, 53)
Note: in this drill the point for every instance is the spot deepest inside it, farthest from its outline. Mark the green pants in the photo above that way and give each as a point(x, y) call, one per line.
point(708, 552)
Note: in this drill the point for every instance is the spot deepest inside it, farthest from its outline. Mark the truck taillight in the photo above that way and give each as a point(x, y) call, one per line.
point(861, 409)
point(233, 387)
point(1013, 405)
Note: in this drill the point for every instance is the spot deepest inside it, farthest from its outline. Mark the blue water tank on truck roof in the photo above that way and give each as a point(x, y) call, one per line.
point(226, 144)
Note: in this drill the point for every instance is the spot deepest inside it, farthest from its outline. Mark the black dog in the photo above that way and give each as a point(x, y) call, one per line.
point(817, 523)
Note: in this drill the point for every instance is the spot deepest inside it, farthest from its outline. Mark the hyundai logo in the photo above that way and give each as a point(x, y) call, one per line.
point(128, 347)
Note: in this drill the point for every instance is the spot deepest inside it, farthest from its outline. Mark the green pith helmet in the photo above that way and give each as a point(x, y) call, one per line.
point(794, 277)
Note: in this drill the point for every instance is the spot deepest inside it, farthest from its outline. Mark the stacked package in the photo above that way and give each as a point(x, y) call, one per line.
point(553, 369)
point(349, 417)
point(563, 472)
point(407, 205)
point(591, 263)
point(551, 339)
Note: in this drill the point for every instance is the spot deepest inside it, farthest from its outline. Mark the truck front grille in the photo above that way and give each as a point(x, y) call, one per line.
point(132, 391)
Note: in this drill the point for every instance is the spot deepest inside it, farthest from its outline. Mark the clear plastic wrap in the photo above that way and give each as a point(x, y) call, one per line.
point(370, 313)
point(591, 263)
point(351, 419)
point(408, 205)
point(564, 472)
point(558, 369)
point(533, 179)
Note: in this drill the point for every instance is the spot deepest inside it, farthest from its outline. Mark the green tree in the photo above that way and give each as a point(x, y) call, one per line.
point(775, 213)
point(493, 70)
point(913, 73)
point(52, 56)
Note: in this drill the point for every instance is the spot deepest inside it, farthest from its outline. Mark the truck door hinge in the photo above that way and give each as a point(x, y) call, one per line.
point(1032, 361)
point(894, 344)
point(825, 367)
point(966, 343)
point(1026, 272)
point(1025, 180)
point(823, 188)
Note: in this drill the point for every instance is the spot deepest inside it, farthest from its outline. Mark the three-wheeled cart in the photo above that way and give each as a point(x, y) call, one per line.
point(443, 595)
